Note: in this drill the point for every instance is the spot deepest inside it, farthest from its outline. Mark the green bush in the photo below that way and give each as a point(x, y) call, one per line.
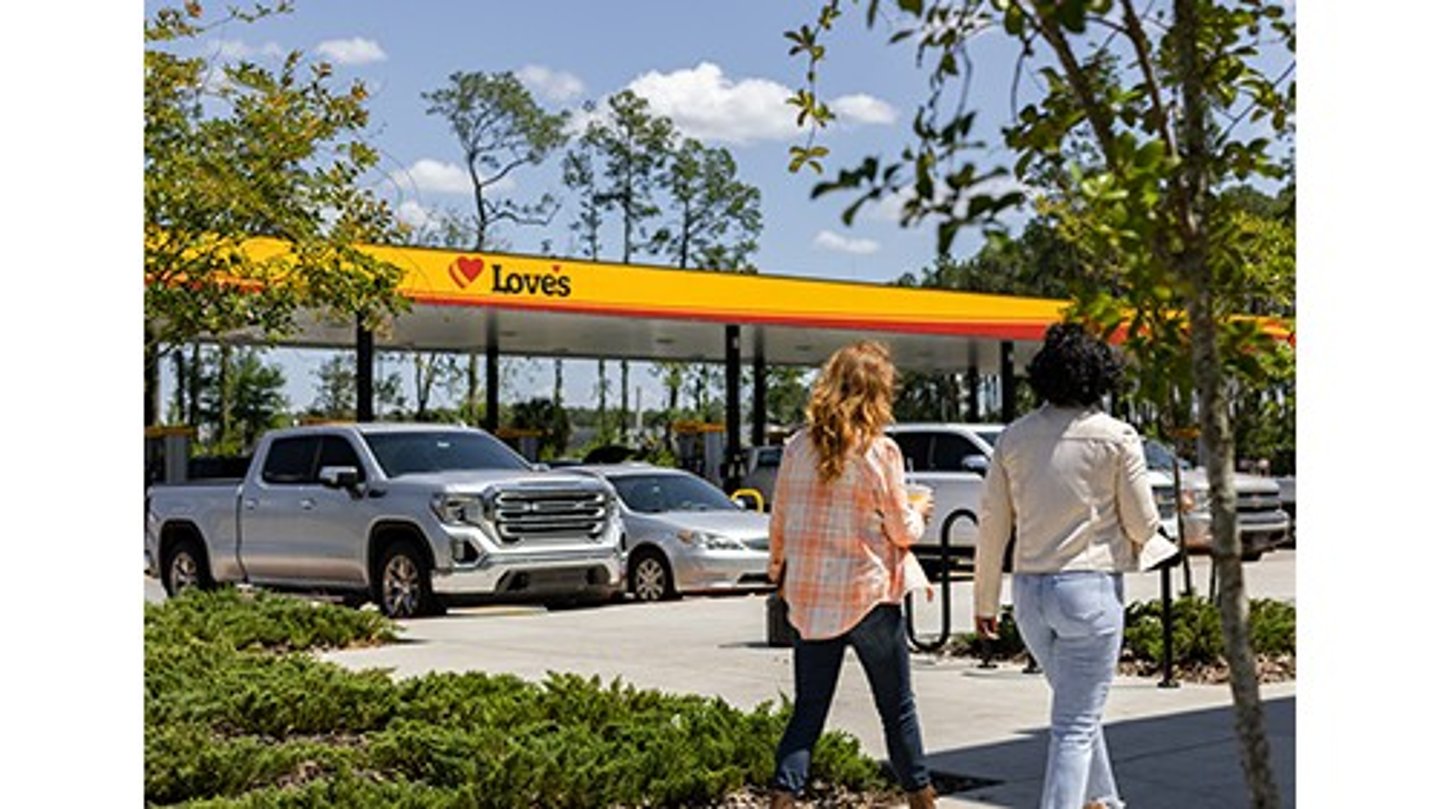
point(1197, 637)
point(236, 716)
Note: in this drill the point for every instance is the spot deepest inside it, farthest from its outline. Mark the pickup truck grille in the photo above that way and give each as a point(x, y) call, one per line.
point(549, 515)
point(1256, 502)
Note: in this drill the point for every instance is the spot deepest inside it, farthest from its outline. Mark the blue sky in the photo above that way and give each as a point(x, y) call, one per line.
point(721, 71)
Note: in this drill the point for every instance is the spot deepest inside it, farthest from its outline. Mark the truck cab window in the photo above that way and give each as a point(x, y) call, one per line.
point(291, 460)
point(336, 451)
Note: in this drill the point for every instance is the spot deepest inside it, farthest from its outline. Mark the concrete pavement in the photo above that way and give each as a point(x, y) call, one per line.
point(1171, 747)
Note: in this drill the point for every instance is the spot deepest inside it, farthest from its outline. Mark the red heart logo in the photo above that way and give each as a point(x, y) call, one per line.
point(465, 270)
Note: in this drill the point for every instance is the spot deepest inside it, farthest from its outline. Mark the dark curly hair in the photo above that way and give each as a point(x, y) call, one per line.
point(1073, 368)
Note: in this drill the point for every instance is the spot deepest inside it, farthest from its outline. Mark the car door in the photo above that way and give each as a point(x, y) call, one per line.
point(293, 529)
point(273, 546)
point(336, 522)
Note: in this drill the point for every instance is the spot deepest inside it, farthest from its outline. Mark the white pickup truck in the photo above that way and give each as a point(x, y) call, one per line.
point(952, 458)
point(407, 515)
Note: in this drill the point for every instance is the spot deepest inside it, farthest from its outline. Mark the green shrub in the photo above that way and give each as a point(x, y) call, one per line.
point(236, 717)
point(261, 620)
point(1197, 637)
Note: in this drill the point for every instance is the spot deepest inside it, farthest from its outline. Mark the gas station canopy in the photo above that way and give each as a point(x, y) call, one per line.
point(560, 307)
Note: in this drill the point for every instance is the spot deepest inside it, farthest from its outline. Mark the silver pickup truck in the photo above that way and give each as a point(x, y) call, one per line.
point(410, 516)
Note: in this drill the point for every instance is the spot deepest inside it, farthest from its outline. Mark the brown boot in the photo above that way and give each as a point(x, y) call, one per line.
point(780, 799)
point(922, 798)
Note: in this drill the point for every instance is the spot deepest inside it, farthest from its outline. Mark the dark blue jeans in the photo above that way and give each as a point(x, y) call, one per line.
point(879, 641)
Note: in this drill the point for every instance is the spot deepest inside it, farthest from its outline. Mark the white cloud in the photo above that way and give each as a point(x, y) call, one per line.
point(435, 176)
point(415, 215)
point(705, 104)
point(555, 85)
point(863, 109)
point(234, 49)
point(829, 240)
point(353, 51)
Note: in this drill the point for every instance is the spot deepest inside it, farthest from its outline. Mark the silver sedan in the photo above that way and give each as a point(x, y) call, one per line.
point(682, 534)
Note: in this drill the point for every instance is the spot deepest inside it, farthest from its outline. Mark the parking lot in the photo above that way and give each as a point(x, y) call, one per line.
point(976, 722)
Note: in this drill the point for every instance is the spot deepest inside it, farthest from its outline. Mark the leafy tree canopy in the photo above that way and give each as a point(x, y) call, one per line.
point(236, 151)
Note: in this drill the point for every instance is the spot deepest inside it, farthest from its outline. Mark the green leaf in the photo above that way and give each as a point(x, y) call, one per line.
point(1072, 15)
point(1014, 20)
point(912, 6)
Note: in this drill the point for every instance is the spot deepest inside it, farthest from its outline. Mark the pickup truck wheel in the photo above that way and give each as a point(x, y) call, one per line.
point(403, 587)
point(185, 568)
point(650, 576)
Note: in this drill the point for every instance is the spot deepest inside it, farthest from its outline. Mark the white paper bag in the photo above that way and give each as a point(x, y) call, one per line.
point(1156, 550)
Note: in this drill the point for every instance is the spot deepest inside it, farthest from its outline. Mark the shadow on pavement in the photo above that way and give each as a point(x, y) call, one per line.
point(1179, 761)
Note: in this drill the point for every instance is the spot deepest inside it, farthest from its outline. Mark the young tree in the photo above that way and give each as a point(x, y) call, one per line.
point(716, 221)
point(1136, 131)
point(633, 147)
point(257, 153)
point(500, 128)
point(239, 397)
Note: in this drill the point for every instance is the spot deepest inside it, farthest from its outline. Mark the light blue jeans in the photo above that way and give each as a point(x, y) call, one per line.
point(1073, 624)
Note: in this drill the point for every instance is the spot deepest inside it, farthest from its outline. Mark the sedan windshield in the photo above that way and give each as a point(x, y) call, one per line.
point(654, 494)
point(412, 453)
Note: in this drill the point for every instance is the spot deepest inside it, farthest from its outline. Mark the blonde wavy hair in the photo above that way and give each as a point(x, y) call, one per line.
point(850, 404)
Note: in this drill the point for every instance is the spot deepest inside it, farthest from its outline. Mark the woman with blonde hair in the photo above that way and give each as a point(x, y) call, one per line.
point(840, 533)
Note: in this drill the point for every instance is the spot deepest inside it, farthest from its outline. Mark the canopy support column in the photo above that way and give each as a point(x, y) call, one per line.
point(1007, 381)
point(492, 373)
point(972, 394)
point(364, 371)
point(730, 471)
point(758, 391)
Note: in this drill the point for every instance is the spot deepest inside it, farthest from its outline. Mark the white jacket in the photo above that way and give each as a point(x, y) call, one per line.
point(1071, 483)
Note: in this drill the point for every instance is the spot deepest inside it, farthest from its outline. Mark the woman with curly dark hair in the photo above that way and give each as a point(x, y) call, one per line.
point(1070, 482)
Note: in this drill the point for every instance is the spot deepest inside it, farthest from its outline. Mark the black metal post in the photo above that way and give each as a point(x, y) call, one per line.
point(1167, 624)
point(492, 373)
point(944, 636)
point(364, 371)
point(758, 391)
point(1180, 525)
point(1007, 381)
point(732, 407)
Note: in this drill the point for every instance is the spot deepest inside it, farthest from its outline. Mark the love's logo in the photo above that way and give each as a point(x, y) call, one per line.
point(464, 270)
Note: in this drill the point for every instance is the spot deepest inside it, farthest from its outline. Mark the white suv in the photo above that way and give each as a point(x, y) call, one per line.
point(952, 459)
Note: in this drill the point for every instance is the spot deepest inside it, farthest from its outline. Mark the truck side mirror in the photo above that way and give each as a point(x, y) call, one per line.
point(339, 477)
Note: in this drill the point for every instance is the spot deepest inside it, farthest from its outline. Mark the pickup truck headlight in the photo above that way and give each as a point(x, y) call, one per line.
point(458, 509)
point(709, 541)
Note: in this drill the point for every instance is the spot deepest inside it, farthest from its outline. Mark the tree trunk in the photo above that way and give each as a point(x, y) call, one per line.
point(1214, 425)
point(600, 416)
point(152, 379)
point(226, 397)
point(193, 383)
point(624, 398)
point(472, 384)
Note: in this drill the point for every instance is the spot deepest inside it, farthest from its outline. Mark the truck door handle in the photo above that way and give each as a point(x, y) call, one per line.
point(250, 504)
point(307, 503)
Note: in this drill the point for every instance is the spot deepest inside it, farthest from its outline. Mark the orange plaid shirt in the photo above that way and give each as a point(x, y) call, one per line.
point(843, 544)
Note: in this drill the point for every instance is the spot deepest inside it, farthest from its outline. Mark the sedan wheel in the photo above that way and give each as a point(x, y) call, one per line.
point(650, 578)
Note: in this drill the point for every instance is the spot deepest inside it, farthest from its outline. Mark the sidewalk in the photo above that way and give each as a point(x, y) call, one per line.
point(1172, 748)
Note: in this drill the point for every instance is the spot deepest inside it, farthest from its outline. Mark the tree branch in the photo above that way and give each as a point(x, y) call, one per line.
point(1097, 113)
